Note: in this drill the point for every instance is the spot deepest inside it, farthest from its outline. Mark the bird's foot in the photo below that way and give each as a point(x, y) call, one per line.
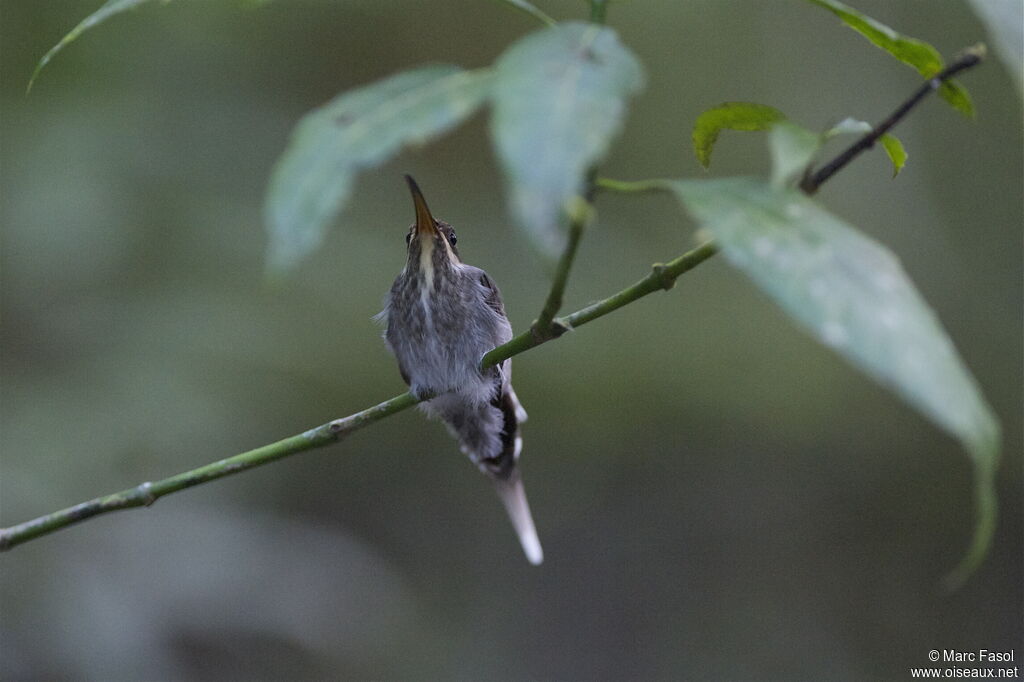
point(422, 393)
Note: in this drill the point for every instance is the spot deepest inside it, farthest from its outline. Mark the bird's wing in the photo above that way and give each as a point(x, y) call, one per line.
point(492, 296)
point(405, 375)
point(517, 406)
point(493, 299)
point(391, 347)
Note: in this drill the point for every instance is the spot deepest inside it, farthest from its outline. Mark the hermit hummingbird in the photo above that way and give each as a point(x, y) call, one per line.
point(442, 317)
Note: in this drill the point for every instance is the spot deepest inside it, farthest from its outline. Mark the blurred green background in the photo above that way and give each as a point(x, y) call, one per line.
point(719, 497)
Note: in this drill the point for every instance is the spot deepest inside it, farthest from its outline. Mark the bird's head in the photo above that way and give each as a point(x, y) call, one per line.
point(430, 242)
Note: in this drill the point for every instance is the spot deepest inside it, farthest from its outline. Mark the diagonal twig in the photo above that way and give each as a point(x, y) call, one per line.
point(813, 180)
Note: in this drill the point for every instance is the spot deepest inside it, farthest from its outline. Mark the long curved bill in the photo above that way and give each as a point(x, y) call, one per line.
point(425, 223)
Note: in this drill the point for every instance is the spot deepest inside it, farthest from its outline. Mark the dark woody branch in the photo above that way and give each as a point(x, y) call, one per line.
point(813, 180)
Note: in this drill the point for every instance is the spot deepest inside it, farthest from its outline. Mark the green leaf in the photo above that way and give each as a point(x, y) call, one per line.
point(793, 148)
point(109, 9)
point(915, 53)
point(731, 116)
point(848, 126)
point(560, 96)
point(359, 129)
point(897, 154)
point(1003, 20)
point(852, 294)
point(957, 97)
point(890, 143)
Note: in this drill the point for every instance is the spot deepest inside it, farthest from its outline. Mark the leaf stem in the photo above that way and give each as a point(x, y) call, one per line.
point(544, 327)
point(639, 186)
point(814, 180)
point(531, 9)
point(145, 494)
point(598, 11)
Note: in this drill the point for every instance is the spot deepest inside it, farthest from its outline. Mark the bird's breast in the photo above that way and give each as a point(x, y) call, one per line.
point(439, 326)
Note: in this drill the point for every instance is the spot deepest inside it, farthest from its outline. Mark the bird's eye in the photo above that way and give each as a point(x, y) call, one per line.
point(452, 239)
point(408, 238)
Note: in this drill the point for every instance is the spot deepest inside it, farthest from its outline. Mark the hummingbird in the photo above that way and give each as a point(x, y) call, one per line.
point(442, 317)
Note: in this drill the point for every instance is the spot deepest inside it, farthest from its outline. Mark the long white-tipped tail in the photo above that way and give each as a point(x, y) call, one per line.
point(513, 496)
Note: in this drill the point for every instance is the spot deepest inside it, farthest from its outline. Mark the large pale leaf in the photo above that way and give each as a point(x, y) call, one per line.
point(107, 10)
point(1004, 20)
point(359, 129)
point(730, 116)
point(911, 51)
point(560, 96)
point(852, 294)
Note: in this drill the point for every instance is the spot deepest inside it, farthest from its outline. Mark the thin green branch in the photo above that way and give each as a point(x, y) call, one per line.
point(662, 276)
point(544, 326)
point(145, 494)
point(639, 186)
point(531, 9)
point(598, 11)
